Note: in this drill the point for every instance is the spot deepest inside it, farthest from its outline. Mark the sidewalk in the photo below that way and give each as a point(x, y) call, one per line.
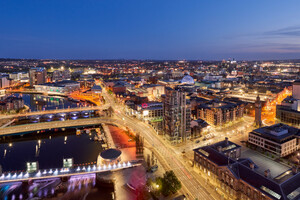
point(110, 141)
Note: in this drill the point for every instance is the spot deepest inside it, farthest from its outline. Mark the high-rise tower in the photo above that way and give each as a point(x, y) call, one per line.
point(258, 122)
point(176, 116)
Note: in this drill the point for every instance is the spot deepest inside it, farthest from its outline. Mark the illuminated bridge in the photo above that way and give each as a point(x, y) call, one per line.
point(45, 112)
point(64, 172)
point(23, 129)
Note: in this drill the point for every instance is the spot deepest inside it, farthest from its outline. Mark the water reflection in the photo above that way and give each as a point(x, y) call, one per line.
point(38, 102)
point(49, 150)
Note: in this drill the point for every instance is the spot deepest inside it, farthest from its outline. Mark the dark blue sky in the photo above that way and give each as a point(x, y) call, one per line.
point(150, 29)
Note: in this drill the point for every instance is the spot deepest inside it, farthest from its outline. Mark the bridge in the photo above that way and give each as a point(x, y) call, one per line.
point(22, 129)
point(45, 112)
point(64, 172)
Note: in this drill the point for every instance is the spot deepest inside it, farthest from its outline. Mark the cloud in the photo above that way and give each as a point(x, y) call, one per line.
point(288, 31)
point(268, 47)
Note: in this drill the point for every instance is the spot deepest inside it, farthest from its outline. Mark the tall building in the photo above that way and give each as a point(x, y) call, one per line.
point(258, 122)
point(37, 75)
point(176, 116)
point(4, 82)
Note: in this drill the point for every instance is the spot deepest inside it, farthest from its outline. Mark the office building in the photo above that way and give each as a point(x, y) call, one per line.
point(37, 75)
point(279, 139)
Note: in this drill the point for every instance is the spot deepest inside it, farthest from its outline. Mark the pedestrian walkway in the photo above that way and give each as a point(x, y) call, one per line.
point(110, 141)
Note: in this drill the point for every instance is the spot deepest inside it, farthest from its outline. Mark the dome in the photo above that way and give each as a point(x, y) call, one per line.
point(187, 79)
point(110, 154)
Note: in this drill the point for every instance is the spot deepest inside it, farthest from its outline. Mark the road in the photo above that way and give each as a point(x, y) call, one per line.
point(54, 124)
point(174, 161)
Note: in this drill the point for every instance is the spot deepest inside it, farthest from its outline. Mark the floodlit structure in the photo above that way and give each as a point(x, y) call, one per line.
point(176, 116)
point(110, 156)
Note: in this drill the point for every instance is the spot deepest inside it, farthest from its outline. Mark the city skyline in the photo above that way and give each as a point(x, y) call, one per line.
point(168, 30)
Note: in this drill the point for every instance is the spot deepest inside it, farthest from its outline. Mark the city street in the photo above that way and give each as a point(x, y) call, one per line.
point(174, 161)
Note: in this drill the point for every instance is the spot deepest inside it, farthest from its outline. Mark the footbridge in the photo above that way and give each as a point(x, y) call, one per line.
point(64, 172)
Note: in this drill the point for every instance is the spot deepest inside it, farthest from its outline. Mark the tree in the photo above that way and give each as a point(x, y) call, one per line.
point(170, 183)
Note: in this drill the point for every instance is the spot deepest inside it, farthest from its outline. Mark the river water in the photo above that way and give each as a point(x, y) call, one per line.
point(41, 102)
point(49, 148)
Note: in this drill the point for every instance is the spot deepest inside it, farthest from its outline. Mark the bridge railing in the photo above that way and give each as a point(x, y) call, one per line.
point(51, 173)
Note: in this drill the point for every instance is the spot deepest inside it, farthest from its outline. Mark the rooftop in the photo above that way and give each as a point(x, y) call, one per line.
point(110, 154)
point(282, 183)
point(277, 132)
point(60, 83)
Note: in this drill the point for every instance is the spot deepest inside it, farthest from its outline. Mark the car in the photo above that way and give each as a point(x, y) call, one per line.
point(181, 197)
point(153, 168)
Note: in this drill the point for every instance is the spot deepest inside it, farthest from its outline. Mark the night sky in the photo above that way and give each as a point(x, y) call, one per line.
point(150, 29)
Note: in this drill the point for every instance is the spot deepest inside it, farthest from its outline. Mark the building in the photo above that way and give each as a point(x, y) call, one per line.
point(154, 91)
point(241, 178)
point(110, 157)
point(37, 76)
point(61, 87)
point(198, 127)
point(119, 87)
point(18, 76)
point(258, 122)
point(176, 115)
point(279, 139)
point(97, 89)
point(4, 82)
point(218, 113)
point(11, 104)
point(152, 113)
point(289, 110)
point(141, 92)
point(58, 75)
point(187, 79)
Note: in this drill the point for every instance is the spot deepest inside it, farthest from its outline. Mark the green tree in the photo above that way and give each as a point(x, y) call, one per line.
point(170, 183)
